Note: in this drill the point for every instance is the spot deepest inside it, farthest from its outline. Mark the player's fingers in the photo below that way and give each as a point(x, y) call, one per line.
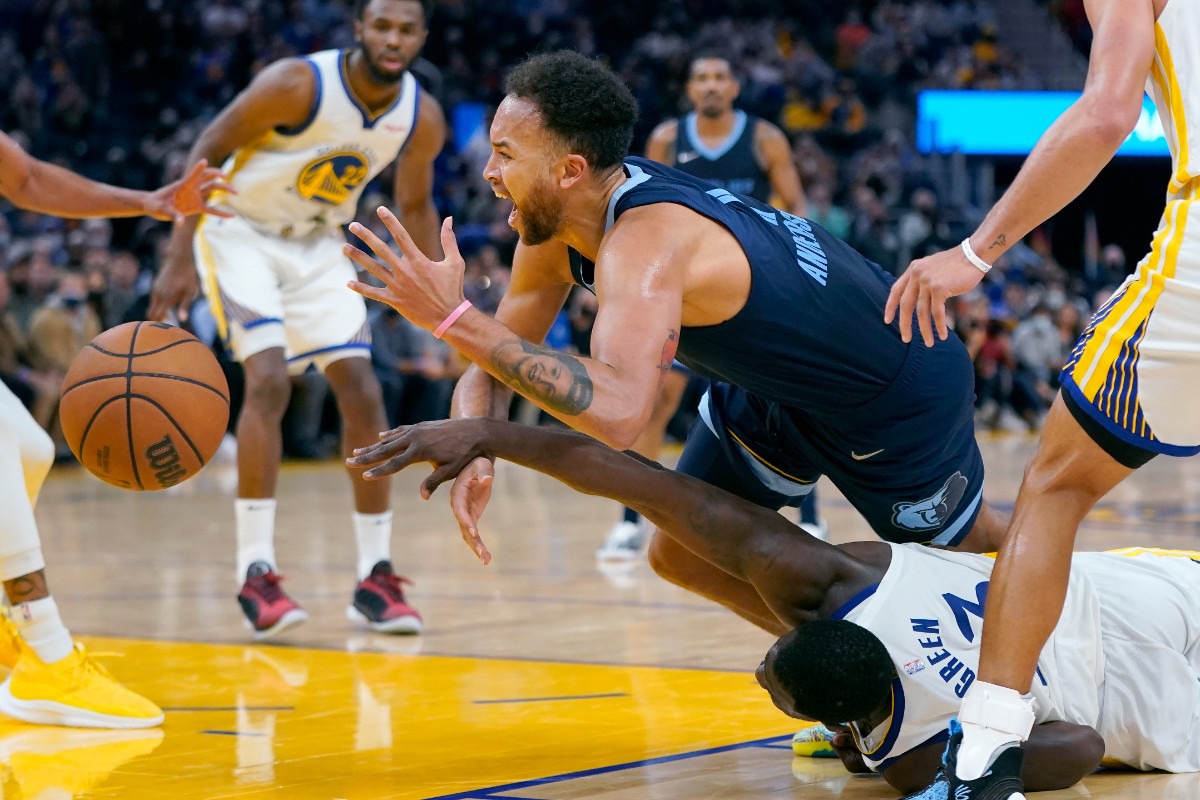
point(216, 184)
point(923, 317)
point(893, 298)
point(473, 540)
point(450, 241)
point(939, 318)
point(441, 474)
point(370, 292)
point(368, 263)
point(907, 302)
point(214, 211)
point(196, 171)
point(403, 240)
point(372, 241)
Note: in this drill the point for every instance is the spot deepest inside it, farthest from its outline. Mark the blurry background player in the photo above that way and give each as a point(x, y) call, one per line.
point(303, 140)
point(740, 153)
point(53, 680)
point(883, 638)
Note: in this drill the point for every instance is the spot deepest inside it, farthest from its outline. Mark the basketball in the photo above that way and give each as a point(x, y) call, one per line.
point(144, 406)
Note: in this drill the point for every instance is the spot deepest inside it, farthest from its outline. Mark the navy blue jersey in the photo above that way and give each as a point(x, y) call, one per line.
point(731, 165)
point(811, 334)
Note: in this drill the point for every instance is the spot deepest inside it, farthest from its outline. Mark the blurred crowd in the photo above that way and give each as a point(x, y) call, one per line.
point(119, 89)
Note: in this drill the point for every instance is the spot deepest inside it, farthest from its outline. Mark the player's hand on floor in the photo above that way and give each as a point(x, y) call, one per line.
point(847, 751)
point(925, 287)
point(424, 292)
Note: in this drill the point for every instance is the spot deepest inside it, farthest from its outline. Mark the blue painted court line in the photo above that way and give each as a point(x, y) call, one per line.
point(491, 792)
point(540, 660)
point(551, 699)
point(228, 708)
point(775, 746)
point(233, 733)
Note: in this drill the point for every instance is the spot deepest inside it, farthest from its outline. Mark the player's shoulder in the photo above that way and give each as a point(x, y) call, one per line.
point(766, 131)
point(290, 77)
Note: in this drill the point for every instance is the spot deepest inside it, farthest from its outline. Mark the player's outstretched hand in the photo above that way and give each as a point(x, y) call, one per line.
point(848, 752)
point(423, 291)
point(455, 447)
point(926, 286)
point(188, 195)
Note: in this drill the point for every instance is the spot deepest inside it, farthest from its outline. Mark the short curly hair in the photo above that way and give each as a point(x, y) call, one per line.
point(581, 101)
point(426, 8)
point(834, 670)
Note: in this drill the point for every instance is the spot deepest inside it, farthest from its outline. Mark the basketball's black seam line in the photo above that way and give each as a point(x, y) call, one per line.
point(170, 419)
point(129, 406)
point(95, 346)
point(163, 375)
point(88, 428)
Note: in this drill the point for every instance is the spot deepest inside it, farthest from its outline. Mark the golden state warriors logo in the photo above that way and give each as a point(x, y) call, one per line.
point(332, 177)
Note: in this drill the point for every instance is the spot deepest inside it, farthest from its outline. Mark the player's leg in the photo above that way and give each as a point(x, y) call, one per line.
point(624, 542)
point(240, 274)
point(328, 321)
point(53, 681)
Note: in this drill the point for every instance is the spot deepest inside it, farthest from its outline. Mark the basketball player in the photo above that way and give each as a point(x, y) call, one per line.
point(53, 681)
point(302, 142)
point(779, 314)
point(1129, 384)
point(744, 155)
point(882, 638)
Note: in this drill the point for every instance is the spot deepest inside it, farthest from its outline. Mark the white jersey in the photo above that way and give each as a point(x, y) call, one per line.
point(1124, 658)
point(297, 181)
point(1174, 82)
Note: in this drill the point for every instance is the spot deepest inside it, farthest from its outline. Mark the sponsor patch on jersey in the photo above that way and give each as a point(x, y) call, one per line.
point(913, 667)
point(332, 177)
point(934, 511)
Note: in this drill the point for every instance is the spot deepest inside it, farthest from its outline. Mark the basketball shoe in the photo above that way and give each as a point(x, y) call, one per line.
point(1002, 781)
point(624, 542)
point(815, 741)
point(76, 692)
point(268, 609)
point(10, 640)
point(379, 602)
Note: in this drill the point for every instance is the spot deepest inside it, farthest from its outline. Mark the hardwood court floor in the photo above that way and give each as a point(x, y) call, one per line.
point(540, 678)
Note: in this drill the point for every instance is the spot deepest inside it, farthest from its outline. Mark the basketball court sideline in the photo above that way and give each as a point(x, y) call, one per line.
point(539, 678)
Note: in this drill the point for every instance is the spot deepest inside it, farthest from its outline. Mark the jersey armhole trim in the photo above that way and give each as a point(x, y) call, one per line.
point(313, 110)
point(854, 602)
point(938, 738)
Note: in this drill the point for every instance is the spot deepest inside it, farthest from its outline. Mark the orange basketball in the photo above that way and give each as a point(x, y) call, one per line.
point(144, 406)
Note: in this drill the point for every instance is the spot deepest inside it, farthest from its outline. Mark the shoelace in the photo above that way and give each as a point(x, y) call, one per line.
point(392, 584)
point(268, 586)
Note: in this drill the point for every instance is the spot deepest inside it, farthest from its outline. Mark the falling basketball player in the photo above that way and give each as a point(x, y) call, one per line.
point(53, 681)
point(740, 153)
point(883, 639)
point(782, 316)
point(302, 141)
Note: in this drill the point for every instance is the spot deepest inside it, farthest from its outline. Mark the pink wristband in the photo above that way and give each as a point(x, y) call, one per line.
point(450, 320)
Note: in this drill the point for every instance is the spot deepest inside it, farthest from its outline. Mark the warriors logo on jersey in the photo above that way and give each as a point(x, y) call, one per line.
point(331, 178)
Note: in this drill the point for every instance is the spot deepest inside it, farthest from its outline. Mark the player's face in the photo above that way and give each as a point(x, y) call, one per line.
point(711, 87)
point(521, 169)
point(392, 33)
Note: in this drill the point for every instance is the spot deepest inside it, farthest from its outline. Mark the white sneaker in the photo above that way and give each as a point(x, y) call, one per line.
point(623, 543)
point(819, 530)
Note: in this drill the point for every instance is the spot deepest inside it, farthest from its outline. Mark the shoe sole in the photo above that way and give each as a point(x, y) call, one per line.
point(48, 712)
point(406, 625)
point(289, 620)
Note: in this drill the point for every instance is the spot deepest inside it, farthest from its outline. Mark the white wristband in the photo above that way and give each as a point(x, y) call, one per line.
point(983, 266)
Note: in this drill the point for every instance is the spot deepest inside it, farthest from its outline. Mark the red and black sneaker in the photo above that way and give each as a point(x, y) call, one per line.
point(379, 602)
point(268, 609)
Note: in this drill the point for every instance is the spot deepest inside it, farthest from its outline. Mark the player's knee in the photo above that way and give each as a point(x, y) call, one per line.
point(268, 390)
point(663, 555)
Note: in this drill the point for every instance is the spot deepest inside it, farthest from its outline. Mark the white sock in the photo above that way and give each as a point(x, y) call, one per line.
point(255, 533)
point(42, 629)
point(374, 535)
point(993, 718)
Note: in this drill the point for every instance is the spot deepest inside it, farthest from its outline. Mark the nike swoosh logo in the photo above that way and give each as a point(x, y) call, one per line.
point(865, 456)
point(686, 157)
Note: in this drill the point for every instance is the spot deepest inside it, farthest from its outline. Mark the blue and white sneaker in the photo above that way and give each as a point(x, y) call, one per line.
point(1002, 781)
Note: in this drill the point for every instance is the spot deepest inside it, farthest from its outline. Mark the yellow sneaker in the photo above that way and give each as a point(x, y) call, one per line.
point(76, 692)
point(53, 762)
point(814, 742)
point(10, 647)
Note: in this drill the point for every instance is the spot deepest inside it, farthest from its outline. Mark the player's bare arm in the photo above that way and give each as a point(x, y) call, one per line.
point(792, 570)
point(1063, 163)
point(413, 183)
point(775, 153)
point(639, 280)
point(1057, 755)
point(280, 97)
point(36, 185)
point(660, 146)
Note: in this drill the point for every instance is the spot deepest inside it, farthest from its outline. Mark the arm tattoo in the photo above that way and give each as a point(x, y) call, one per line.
point(670, 346)
point(543, 374)
point(1000, 241)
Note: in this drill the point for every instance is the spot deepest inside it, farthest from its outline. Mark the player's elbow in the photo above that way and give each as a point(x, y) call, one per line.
point(1111, 117)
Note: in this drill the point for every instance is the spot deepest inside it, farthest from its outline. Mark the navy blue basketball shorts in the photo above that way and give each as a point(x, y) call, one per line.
point(907, 460)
